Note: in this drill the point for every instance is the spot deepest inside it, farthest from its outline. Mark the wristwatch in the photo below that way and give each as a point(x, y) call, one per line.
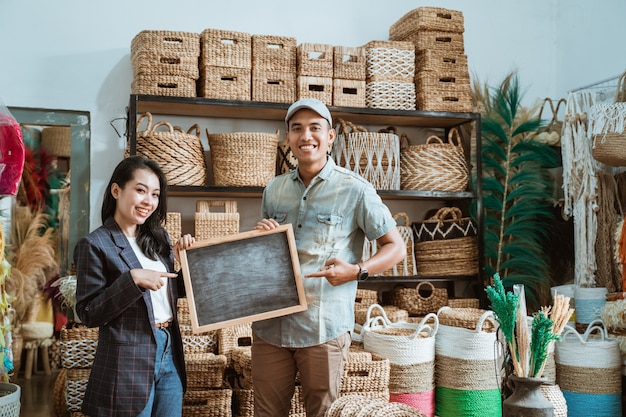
point(363, 274)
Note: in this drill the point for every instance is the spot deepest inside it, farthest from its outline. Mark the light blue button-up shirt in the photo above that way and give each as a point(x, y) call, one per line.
point(330, 219)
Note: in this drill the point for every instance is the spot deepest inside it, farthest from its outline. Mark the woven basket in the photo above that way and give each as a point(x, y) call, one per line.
point(373, 155)
point(449, 257)
point(366, 376)
point(285, 161)
point(203, 403)
point(164, 85)
point(349, 63)
point(243, 159)
point(366, 297)
point(164, 62)
point(274, 86)
point(463, 303)
point(442, 62)
point(275, 53)
point(447, 223)
point(394, 314)
point(184, 43)
point(315, 60)
point(227, 83)
point(225, 48)
point(608, 130)
point(467, 318)
point(75, 387)
point(391, 95)
point(179, 153)
point(407, 266)
point(348, 93)
point(423, 299)
point(439, 40)
point(78, 346)
point(320, 88)
point(210, 224)
point(427, 18)
point(230, 338)
point(390, 61)
point(205, 370)
point(57, 140)
point(435, 165)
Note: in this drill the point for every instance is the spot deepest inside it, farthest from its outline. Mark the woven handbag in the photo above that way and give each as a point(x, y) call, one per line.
point(401, 342)
point(447, 223)
point(435, 165)
point(551, 133)
point(179, 153)
point(608, 130)
point(373, 155)
point(423, 299)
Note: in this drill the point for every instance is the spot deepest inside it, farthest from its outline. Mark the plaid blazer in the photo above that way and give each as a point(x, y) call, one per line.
point(106, 296)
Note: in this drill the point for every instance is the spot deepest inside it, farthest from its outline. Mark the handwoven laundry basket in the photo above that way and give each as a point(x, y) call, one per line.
point(243, 159)
point(179, 153)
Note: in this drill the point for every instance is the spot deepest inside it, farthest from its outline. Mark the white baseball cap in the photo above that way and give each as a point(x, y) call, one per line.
point(311, 104)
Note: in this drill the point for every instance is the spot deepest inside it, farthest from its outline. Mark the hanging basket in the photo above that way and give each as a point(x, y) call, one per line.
point(179, 153)
point(373, 155)
point(551, 133)
point(435, 165)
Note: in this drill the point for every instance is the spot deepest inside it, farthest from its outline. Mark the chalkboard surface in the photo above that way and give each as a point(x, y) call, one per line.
point(242, 277)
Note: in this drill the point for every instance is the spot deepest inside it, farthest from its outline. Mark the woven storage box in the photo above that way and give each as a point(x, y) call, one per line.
point(390, 95)
point(315, 87)
point(427, 18)
point(446, 98)
point(205, 370)
point(423, 299)
point(314, 60)
point(467, 318)
point(183, 43)
point(78, 346)
point(446, 223)
point(435, 165)
point(277, 53)
point(210, 224)
point(173, 226)
point(208, 403)
point(273, 86)
point(365, 376)
point(463, 303)
point(373, 155)
point(164, 62)
point(390, 61)
point(225, 48)
point(434, 83)
point(75, 386)
point(348, 93)
point(443, 63)
point(349, 63)
point(438, 40)
point(164, 85)
point(228, 83)
point(230, 338)
point(366, 297)
point(179, 153)
point(57, 140)
point(243, 159)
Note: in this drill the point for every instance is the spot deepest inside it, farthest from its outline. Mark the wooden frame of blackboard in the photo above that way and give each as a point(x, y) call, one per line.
point(241, 278)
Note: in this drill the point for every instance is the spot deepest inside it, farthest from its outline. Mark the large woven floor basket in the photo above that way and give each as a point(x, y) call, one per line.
point(179, 153)
point(243, 159)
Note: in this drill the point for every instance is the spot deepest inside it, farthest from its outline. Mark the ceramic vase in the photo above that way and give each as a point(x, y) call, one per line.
point(527, 399)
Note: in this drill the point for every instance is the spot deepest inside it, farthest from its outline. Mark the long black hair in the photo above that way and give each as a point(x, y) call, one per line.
point(151, 236)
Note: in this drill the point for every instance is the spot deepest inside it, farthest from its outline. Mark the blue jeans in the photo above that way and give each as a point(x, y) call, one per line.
point(166, 396)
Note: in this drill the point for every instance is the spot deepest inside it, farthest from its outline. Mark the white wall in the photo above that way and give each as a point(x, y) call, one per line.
point(73, 54)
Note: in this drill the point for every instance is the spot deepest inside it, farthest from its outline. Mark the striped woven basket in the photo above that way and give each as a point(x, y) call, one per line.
point(179, 153)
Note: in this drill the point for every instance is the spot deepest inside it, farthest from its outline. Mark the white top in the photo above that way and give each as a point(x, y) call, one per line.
point(160, 302)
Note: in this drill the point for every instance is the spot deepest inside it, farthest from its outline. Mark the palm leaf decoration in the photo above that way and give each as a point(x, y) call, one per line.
point(517, 193)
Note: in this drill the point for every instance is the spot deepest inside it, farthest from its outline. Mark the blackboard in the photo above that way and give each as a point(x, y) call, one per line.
point(242, 277)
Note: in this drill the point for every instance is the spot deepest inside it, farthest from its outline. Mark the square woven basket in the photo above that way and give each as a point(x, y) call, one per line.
point(314, 60)
point(391, 95)
point(349, 63)
point(273, 86)
point(390, 61)
point(164, 85)
point(275, 53)
point(320, 88)
point(348, 93)
point(183, 43)
point(427, 18)
point(228, 83)
point(225, 48)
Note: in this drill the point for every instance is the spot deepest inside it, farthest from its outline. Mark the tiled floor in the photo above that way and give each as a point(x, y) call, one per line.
point(37, 395)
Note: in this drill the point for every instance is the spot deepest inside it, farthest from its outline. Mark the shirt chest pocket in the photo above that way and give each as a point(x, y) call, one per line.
point(328, 228)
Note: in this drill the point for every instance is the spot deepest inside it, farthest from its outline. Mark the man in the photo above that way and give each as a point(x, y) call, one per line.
point(332, 210)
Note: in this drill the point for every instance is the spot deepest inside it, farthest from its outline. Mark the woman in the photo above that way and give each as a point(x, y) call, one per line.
point(125, 287)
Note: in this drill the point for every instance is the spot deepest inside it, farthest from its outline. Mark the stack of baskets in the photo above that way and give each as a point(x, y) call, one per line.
point(225, 65)
point(273, 68)
point(445, 244)
point(314, 72)
point(349, 76)
point(441, 72)
point(390, 73)
point(165, 63)
point(179, 152)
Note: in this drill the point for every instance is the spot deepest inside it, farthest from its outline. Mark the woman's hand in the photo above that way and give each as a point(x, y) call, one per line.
point(150, 279)
point(184, 243)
